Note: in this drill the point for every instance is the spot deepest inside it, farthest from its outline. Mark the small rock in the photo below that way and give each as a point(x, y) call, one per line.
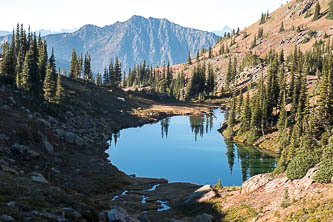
point(60, 133)
point(47, 145)
point(143, 218)
point(69, 113)
point(20, 148)
point(79, 141)
point(53, 169)
point(5, 107)
point(3, 137)
point(32, 154)
point(37, 177)
point(12, 100)
point(5, 217)
point(43, 121)
point(204, 218)
point(202, 194)
point(71, 213)
point(11, 204)
point(70, 137)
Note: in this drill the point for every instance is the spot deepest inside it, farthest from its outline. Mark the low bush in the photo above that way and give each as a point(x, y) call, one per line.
point(325, 171)
point(300, 165)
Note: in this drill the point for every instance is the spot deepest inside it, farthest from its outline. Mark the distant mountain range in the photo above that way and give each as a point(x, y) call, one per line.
point(226, 29)
point(3, 33)
point(43, 32)
point(156, 41)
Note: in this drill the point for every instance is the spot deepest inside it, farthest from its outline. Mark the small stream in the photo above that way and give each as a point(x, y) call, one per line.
point(186, 149)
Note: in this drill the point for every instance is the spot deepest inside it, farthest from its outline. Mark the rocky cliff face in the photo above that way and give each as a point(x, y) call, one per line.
point(133, 41)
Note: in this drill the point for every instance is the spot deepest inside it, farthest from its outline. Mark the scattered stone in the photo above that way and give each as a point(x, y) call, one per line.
point(12, 100)
point(71, 213)
point(4, 107)
point(11, 204)
point(121, 99)
point(53, 169)
point(70, 137)
point(37, 177)
point(202, 194)
point(43, 121)
point(60, 133)
point(47, 145)
point(69, 113)
point(5, 217)
point(3, 137)
point(255, 182)
point(204, 218)
point(143, 218)
point(20, 148)
point(33, 154)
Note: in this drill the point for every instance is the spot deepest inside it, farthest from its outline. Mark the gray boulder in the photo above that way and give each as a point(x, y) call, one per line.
point(37, 177)
point(255, 182)
point(203, 218)
point(70, 137)
point(74, 139)
point(202, 194)
point(5, 217)
point(47, 145)
point(4, 107)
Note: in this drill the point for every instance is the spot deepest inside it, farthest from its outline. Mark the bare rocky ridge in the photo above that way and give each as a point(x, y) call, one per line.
point(154, 40)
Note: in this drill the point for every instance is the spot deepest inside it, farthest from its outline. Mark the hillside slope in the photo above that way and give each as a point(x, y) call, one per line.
point(299, 31)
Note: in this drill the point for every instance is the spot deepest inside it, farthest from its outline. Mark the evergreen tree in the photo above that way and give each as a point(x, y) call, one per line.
point(73, 72)
point(48, 86)
point(260, 33)
point(246, 114)
point(189, 60)
point(60, 92)
point(281, 28)
point(254, 43)
point(87, 72)
point(117, 73)
point(27, 69)
point(330, 10)
point(316, 15)
point(42, 59)
point(210, 85)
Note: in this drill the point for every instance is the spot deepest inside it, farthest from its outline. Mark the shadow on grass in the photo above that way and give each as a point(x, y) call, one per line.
point(196, 209)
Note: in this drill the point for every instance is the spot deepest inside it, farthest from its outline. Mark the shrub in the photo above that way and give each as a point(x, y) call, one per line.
point(325, 171)
point(219, 184)
point(300, 165)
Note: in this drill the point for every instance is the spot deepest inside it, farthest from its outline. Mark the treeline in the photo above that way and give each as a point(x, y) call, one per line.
point(302, 117)
point(26, 65)
point(162, 80)
point(81, 69)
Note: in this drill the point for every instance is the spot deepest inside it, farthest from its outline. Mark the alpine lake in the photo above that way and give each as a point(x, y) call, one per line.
point(187, 149)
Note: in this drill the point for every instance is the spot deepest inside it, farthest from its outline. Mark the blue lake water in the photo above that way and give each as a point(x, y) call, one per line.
point(186, 149)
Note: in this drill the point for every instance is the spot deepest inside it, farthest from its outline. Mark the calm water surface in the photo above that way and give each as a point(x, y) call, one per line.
point(186, 149)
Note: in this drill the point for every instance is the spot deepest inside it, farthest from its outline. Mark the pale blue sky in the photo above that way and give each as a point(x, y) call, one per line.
point(201, 14)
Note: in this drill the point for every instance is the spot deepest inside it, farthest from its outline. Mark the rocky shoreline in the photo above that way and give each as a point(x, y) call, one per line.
point(53, 163)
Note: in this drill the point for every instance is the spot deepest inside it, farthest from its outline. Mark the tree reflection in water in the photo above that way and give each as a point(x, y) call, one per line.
point(252, 161)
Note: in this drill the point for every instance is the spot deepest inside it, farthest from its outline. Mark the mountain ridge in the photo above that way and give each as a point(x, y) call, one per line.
point(129, 40)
